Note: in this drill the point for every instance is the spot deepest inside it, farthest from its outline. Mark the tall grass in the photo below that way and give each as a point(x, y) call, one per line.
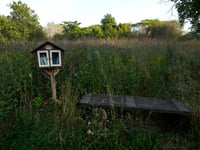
point(153, 68)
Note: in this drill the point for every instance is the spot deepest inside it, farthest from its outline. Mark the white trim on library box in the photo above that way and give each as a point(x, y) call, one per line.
point(53, 61)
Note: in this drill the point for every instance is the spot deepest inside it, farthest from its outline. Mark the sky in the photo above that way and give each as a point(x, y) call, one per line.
point(90, 12)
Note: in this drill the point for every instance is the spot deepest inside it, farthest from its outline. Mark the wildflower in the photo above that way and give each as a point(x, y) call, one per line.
point(89, 132)
point(89, 123)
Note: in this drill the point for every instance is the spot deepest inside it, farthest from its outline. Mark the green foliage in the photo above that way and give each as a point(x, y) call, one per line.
point(4, 29)
point(109, 26)
point(25, 21)
point(189, 10)
point(93, 31)
point(154, 68)
point(21, 25)
point(108, 29)
point(71, 29)
point(37, 102)
point(159, 29)
point(124, 30)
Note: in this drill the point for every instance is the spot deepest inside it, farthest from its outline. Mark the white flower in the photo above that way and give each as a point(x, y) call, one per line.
point(89, 132)
point(89, 123)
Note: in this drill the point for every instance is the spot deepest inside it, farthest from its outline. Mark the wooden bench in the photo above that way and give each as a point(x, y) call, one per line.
point(172, 114)
point(134, 102)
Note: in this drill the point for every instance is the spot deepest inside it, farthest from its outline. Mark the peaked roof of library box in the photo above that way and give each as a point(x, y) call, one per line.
point(46, 43)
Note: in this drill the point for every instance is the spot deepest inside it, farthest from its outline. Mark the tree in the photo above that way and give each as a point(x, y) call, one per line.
point(159, 29)
point(71, 29)
point(53, 29)
point(4, 28)
point(93, 31)
point(109, 26)
point(189, 10)
point(25, 24)
point(124, 30)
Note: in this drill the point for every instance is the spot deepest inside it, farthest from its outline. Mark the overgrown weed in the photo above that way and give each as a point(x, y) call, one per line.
point(153, 68)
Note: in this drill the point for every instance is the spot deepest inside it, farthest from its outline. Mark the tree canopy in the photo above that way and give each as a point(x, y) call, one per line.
point(189, 10)
point(107, 29)
point(155, 28)
point(109, 26)
point(22, 24)
point(71, 29)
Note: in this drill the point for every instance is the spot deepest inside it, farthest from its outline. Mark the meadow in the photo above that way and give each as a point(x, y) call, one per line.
point(30, 120)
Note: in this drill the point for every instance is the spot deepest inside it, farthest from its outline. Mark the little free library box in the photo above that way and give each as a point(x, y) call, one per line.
point(49, 55)
point(50, 60)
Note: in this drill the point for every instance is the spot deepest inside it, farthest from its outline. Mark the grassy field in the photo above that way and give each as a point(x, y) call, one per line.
point(29, 120)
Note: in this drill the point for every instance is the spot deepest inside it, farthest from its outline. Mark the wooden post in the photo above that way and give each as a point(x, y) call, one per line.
point(52, 74)
point(53, 86)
